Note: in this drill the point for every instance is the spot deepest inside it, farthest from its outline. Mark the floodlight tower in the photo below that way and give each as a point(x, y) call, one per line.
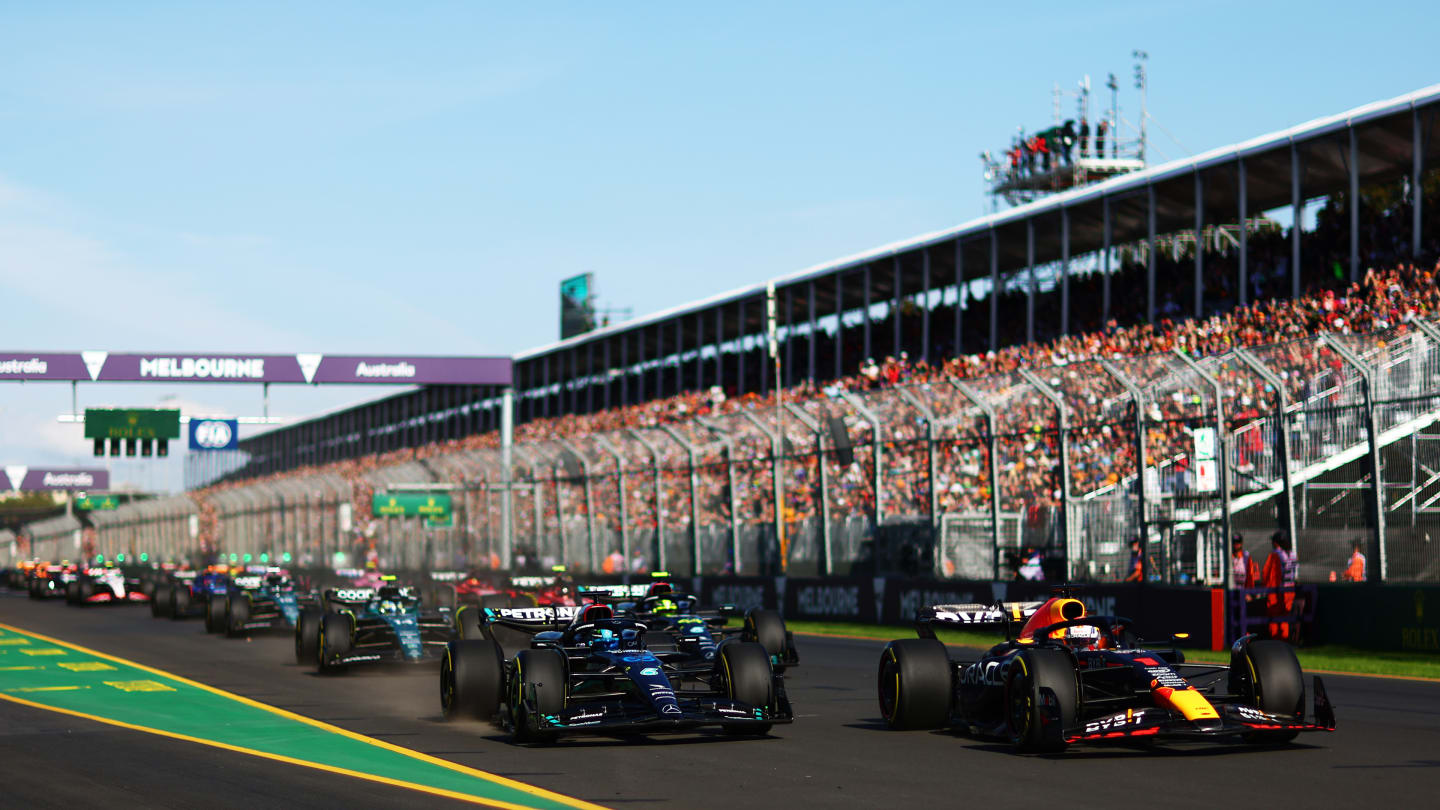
point(1114, 115)
point(1142, 84)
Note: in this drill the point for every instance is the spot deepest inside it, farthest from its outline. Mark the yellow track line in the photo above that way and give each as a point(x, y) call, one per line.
point(444, 763)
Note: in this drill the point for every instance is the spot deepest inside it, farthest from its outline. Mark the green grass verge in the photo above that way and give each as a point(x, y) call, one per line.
point(1325, 657)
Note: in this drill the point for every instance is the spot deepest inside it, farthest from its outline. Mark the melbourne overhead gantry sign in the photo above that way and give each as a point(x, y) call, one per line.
point(305, 369)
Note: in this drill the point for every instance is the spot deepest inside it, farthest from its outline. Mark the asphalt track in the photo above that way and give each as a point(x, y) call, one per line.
point(837, 754)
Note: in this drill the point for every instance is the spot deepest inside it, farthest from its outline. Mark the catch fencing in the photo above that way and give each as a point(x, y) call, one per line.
point(1105, 471)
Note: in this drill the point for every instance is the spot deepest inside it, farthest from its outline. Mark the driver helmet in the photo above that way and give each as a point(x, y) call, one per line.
point(1081, 637)
point(665, 606)
point(390, 607)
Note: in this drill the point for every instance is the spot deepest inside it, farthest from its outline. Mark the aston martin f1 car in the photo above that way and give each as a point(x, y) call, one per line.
point(101, 585)
point(362, 626)
point(265, 599)
point(1069, 677)
point(186, 593)
point(587, 671)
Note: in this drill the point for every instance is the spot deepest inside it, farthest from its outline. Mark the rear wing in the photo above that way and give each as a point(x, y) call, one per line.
point(525, 583)
point(974, 616)
point(528, 620)
point(448, 576)
point(615, 593)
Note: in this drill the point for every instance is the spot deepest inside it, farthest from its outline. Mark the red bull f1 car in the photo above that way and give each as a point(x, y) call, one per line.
point(1069, 677)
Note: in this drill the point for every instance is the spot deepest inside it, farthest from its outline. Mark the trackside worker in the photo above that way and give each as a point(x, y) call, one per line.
point(1279, 578)
point(1247, 571)
point(1355, 570)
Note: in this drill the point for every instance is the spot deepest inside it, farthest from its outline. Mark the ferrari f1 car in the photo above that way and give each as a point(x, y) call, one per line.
point(264, 598)
point(587, 671)
point(1069, 677)
point(363, 626)
point(100, 585)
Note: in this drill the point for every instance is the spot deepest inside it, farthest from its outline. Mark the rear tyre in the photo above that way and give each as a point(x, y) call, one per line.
point(1031, 728)
point(539, 684)
point(472, 680)
point(767, 628)
point(160, 601)
point(179, 602)
point(335, 640)
point(914, 684)
point(307, 636)
point(237, 613)
point(467, 623)
point(746, 676)
point(1270, 677)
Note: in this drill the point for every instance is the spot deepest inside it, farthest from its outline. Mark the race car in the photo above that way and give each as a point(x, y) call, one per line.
point(262, 598)
point(49, 580)
point(587, 671)
point(486, 589)
point(1069, 677)
point(186, 592)
point(694, 629)
point(99, 585)
point(363, 626)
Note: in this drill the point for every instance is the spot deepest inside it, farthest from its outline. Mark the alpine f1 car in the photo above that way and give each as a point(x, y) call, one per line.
point(362, 626)
point(587, 671)
point(1069, 677)
point(263, 598)
point(186, 593)
point(100, 585)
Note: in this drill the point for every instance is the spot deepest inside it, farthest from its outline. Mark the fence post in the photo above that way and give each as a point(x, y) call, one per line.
point(659, 503)
point(1062, 414)
point(992, 446)
point(620, 491)
point(729, 442)
point(1282, 399)
point(1222, 456)
point(589, 502)
point(879, 454)
point(1137, 399)
point(507, 477)
point(1372, 438)
point(804, 418)
point(696, 550)
point(934, 499)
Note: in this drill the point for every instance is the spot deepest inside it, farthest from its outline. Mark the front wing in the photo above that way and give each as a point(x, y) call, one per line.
point(1234, 720)
point(615, 718)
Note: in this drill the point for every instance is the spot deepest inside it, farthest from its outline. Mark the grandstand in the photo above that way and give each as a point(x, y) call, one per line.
point(1017, 402)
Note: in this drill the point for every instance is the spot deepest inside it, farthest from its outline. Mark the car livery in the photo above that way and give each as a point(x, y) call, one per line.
point(101, 585)
point(364, 626)
point(1069, 677)
point(263, 600)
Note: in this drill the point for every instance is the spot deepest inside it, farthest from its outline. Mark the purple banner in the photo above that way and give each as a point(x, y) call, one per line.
point(38, 479)
point(256, 368)
point(42, 366)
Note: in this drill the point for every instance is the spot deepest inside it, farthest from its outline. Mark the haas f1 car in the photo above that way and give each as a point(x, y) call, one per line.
point(365, 626)
point(587, 671)
point(103, 585)
point(1069, 677)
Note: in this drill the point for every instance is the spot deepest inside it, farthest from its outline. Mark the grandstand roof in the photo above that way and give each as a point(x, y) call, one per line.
point(1383, 131)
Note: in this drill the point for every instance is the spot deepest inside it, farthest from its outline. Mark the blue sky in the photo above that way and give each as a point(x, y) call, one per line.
point(417, 178)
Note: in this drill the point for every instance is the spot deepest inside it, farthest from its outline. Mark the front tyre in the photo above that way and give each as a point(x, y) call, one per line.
point(160, 601)
point(237, 613)
point(914, 684)
point(472, 680)
point(1269, 677)
point(746, 677)
point(217, 613)
point(1032, 679)
point(335, 640)
point(307, 636)
point(538, 687)
point(767, 628)
point(179, 602)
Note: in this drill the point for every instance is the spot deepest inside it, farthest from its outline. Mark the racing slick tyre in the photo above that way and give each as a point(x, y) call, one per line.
point(1270, 676)
point(237, 613)
point(472, 679)
point(72, 593)
point(83, 591)
point(335, 639)
point(467, 623)
point(307, 636)
point(160, 601)
point(216, 613)
point(35, 589)
point(746, 676)
point(767, 628)
point(540, 681)
point(179, 602)
point(914, 684)
point(1033, 726)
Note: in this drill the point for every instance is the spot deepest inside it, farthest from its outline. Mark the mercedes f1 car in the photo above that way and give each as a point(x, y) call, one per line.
point(102, 585)
point(363, 626)
point(1069, 677)
point(587, 671)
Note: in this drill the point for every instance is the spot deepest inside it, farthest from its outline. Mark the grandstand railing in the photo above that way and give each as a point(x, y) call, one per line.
point(1335, 439)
